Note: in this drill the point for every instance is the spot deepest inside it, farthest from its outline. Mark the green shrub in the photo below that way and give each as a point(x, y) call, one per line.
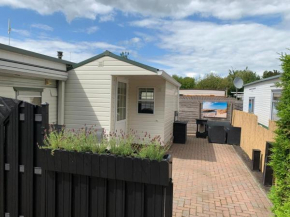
point(280, 158)
point(85, 140)
point(153, 151)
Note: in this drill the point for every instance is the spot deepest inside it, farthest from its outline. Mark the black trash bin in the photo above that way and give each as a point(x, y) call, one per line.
point(180, 132)
point(201, 123)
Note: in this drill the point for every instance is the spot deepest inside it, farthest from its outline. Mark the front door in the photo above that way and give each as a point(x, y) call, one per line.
point(121, 108)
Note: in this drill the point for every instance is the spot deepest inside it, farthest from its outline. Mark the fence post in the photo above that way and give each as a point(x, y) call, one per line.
point(2, 172)
point(44, 128)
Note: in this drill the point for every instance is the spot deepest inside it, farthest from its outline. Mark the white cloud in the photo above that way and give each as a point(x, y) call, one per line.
point(191, 74)
point(70, 8)
point(106, 18)
point(222, 9)
point(22, 32)
point(89, 30)
point(42, 27)
point(73, 51)
point(204, 47)
point(133, 42)
point(145, 37)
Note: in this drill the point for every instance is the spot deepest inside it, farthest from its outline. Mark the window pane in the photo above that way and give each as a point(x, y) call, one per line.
point(150, 94)
point(276, 96)
point(251, 105)
point(118, 114)
point(146, 94)
point(121, 102)
point(146, 107)
point(274, 112)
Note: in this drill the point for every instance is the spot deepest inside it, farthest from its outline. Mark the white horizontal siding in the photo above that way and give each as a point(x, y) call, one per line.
point(150, 123)
point(262, 92)
point(31, 60)
point(7, 92)
point(171, 105)
point(22, 81)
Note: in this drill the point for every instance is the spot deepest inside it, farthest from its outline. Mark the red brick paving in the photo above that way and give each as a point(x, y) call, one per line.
point(211, 180)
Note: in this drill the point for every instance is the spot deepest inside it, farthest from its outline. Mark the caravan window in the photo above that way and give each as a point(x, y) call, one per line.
point(30, 95)
point(275, 99)
point(251, 105)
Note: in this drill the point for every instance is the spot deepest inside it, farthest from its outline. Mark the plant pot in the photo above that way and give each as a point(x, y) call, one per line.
point(109, 166)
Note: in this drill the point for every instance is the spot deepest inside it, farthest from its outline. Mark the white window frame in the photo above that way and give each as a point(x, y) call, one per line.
point(22, 89)
point(138, 100)
point(253, 105)
point(272, 101)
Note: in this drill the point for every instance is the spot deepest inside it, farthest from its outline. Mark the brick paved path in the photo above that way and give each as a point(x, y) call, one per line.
point(211, 180)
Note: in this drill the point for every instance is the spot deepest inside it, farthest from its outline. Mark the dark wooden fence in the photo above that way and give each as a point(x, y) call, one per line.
point(28, 189)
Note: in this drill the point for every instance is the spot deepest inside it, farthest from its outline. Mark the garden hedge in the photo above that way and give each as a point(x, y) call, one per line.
point(280, 158)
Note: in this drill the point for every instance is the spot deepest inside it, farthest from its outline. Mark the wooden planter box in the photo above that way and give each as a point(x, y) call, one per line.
point(109, 166)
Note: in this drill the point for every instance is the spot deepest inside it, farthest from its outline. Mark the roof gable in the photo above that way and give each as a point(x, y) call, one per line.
point(262, 80)
point(108, 53)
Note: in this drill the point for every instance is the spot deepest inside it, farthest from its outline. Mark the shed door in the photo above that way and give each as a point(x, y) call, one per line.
point(121, 108)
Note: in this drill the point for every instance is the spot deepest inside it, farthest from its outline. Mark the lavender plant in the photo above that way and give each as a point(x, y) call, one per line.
point(117, 143)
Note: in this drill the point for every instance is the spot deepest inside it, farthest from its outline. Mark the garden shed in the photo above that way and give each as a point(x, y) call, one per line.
point(118, 94)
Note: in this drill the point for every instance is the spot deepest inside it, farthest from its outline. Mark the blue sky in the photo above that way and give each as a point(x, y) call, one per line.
point(186, 37)
point(214, 105)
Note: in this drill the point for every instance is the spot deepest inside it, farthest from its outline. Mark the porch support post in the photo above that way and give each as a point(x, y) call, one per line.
point(60, 109)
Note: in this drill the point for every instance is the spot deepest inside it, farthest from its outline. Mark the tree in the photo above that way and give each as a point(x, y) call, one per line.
point(212, 81)
point(246, 75)
point(124, 54)
point(280, 157)
point(268, 74)
point(186, 82)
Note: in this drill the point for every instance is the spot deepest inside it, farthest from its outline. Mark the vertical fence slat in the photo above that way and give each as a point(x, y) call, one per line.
point(60, 195)
point(76, 193)
point(50, 192)
point(67, 194)
point(169, 200)
point(149, 201)
point(44, 127)
point(158, 201)
point(84, 196)
point(139, 200)
point(102, 197)
point(94, 196)
point(29, 161)
point(120, 198)
point(14, 210)
point(111, 199)
point(130, 199)
point(2, 170)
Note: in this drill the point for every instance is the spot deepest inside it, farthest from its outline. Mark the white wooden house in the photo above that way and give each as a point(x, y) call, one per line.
point(261, 97)
point(109, 91)
point(33, 77)
point(117, 94)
